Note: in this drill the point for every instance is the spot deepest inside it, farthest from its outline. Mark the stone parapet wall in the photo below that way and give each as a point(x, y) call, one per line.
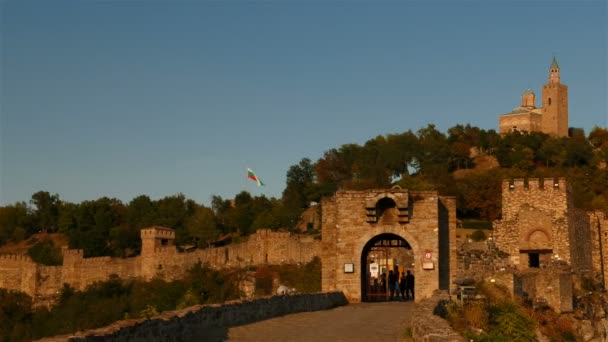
point(206, 322)
point(427, 327)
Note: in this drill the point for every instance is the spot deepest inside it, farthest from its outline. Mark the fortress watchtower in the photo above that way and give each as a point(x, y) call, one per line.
point(156, 237)
point(535, 227)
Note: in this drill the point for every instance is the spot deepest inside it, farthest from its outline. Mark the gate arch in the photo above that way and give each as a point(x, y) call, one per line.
point(387, 251)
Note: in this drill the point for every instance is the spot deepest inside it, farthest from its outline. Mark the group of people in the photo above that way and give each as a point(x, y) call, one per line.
point(405, 285)
point(396, 285)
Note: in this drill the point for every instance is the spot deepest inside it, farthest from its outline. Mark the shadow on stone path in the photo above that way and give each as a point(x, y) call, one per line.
point(355, 322)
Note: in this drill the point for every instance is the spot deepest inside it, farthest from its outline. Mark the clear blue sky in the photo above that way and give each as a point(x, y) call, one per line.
point(122, 98)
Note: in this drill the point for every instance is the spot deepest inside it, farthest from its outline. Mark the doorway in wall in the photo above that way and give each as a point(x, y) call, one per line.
point(381, 255)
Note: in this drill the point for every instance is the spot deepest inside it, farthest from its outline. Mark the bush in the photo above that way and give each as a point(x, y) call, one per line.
point(476, 315)
point(497, 316)
point(305, 278)
point(507, 320)
point(102, 303)
point(46, 253)
point(15, 316)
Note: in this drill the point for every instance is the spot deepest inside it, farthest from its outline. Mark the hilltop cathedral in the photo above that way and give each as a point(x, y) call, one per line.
point(551, 118)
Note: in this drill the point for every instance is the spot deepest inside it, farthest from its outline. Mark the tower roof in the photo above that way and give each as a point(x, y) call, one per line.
point(528, 92)
point(554, 64)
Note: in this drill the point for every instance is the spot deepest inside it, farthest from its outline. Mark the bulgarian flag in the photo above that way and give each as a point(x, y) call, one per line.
point(251, 175)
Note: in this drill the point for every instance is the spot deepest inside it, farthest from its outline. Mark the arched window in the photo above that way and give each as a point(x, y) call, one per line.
point(549, 101)
point(383, 205)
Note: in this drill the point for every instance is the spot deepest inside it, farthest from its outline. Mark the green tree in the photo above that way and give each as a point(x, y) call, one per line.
point(598, 137)
point(45, 252)
point(400, 152)
point(95, 219)
point(142, 212)
point(172, 212)
point(66, 218)
point(202, 226)
point(15, 316)
point(479, 195)
point(579, 151)
point(46, 210)
point(553, 152)
point(432, 156)
point(523, 158)
point(15, 222)
point(221, 209)
point(300, 182)
point(332, 170)
point(125, 240)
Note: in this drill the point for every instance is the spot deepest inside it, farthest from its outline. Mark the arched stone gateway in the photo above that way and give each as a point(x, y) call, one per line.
point(382, 254)
point(421, 223)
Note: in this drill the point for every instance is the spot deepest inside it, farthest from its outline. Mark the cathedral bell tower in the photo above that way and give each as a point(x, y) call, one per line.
point(555, 104)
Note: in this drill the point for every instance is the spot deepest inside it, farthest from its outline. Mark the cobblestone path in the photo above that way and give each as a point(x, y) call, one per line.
point(355, 322)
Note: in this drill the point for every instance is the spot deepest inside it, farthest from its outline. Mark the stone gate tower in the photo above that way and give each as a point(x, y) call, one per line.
point(422, 222)
point(540, 226)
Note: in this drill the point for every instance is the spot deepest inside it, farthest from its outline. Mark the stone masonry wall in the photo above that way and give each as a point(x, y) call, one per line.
point(480, 260)
point(597, 223)
point(206, 322)
point(18, 272)
point(265, 247)
point(346, 230)
point(585, 243)
point(534, 217)
point(427, 327)
point(329, 231)
point(552, 285)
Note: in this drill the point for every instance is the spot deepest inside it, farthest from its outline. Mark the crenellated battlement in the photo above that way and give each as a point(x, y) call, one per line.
point(267, 233)
point(535, 184)
point(157, 232)
point(165, 250)
point(79, 253)
point(15, 257)
point(96, 260)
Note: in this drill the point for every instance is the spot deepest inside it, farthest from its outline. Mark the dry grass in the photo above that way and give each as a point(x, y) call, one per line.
point(21, 247)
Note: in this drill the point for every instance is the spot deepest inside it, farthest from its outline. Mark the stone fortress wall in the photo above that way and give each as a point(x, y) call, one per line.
point(158, 258)
point(540, 221)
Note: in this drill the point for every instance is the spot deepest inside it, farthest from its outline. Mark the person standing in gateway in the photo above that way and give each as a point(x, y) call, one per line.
point(409, 285)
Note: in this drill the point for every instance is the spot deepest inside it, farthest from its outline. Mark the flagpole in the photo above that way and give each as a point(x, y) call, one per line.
point(245, 179)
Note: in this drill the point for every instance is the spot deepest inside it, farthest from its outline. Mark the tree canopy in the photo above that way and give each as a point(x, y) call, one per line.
point(427, 159)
